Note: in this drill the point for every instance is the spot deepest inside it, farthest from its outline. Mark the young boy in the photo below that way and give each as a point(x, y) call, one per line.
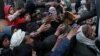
point(4, 45)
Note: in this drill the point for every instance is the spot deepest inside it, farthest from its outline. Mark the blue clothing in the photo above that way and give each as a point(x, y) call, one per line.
point(7, 30)
point(59, 51)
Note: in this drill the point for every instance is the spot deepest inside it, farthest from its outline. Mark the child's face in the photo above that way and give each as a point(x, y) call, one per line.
point(6, 43)
point(27, 17)
point(11, 10)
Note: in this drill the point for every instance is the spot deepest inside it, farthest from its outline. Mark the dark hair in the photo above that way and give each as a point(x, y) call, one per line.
point(30, 27)
point(9, 9)
point(30, 7)
point(2, 38)
point(12, 29)
point(23, 42)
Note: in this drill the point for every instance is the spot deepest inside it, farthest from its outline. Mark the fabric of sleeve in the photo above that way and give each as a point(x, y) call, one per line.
point(59, 51)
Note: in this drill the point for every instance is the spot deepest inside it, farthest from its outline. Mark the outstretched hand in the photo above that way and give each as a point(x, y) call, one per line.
point(60, 28)
point(44, 27)
point(72, 32)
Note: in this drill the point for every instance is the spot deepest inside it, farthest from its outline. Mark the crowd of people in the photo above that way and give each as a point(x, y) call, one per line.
point(48, 28)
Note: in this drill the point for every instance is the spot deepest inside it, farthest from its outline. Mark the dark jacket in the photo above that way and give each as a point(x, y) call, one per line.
point(80, 49)
point(83, 50)
point(19, 4)
point(10, 2)
point(77, 5)
point(6, 52)
point(30, 7)
point(1, 9)
point(22, 50)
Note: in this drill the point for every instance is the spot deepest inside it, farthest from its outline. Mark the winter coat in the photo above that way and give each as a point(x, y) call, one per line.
point(6, 52)
point(83, 50)
point(23, 50)
point(10, 21)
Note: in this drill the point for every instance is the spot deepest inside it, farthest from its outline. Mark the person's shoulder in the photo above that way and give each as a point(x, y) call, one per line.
point(1, 50)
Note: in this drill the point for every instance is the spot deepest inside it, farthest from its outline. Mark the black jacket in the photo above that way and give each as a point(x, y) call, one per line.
point(80, 49)
point(1, 9)
point(83, 50)
point(77, 5)
point(22, 50)
point(6, 52)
